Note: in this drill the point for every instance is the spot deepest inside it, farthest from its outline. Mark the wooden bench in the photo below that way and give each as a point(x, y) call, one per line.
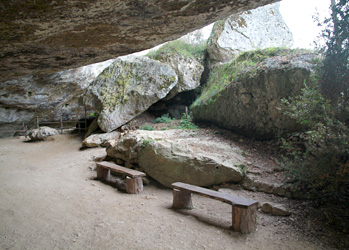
point(134, 183)
point(244, 211)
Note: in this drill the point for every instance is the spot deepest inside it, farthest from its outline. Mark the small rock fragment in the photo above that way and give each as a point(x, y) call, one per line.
point(275, 209)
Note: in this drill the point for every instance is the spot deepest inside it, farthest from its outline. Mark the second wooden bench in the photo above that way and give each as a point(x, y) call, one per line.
point(244, 211)
point(134, 183)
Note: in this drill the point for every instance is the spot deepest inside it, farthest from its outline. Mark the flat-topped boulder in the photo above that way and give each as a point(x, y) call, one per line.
point(179, 155)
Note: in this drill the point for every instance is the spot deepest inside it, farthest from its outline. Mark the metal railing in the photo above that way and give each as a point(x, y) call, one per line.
point(36, 123)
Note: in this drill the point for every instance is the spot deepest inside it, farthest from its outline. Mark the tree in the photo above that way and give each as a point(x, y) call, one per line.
point(318, 159)
point(335, 69)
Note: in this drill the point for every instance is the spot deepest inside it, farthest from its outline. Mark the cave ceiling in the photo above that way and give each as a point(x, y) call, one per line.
point(46, 36)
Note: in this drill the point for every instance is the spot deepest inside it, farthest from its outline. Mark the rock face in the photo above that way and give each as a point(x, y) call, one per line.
point(249, 104)
point(187, 68)
point(175, 155)
point(127, 88)
point(42, 133)
point(52, 36)
point(249, 30)
point(198, 37)
point(46, 95)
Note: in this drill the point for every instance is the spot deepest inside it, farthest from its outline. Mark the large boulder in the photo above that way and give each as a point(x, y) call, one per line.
point(260, 28)
point(248, 101)
point(51, 36)
point(97, 140)
point(42, 133)
point(49, 96)
point(188, 69)
point(198, 37)
point(127, 88)
point(179, 155)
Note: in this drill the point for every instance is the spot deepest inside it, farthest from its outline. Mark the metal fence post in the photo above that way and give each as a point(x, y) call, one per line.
point(85, 119)
point(61, 124)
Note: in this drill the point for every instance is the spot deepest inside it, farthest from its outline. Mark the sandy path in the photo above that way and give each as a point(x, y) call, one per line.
point(49, 201)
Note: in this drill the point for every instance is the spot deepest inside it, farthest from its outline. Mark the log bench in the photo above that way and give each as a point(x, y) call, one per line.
point(244, 211)
point(134, 183)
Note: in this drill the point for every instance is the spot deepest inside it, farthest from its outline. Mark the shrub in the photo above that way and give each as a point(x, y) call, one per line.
point(318, 158)
point(186, 122)
point(165, 118)
point(147, 127)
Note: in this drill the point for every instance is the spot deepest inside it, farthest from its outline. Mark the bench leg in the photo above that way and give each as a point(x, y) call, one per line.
point(102, 173)
point(134, 185)
point(181, 199)
point(244, 219)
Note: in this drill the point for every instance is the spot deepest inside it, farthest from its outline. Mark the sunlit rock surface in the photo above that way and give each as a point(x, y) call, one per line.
point(260, 28)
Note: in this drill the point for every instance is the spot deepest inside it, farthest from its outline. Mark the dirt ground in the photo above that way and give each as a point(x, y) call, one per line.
point(50, 200)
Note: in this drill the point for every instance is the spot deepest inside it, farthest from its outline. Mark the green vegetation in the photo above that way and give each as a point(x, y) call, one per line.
point(186, 122)
point(243, 168)
point(147, 141)
point(259, 55)
point(318, 160)
point(147, 127)
point(179, 47)
point(245, 65)
point(334, 74)
point(165, 118)
point(318, 157)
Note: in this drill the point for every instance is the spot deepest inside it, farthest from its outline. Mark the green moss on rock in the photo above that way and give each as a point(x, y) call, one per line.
point(196, 52)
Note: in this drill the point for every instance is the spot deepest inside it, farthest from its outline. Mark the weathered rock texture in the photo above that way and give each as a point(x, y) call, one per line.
point(55, 35)
point(249, 30)
point(198, 37)
point(187, 68)
point(127, 88)
point(176, 155)
point(42, 133)
point(97, 140)
point(49, 96)
point(275, 209)
point(249, 105)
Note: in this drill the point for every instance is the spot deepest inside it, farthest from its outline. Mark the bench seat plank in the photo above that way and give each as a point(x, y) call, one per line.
point(244, 211)
point(224, 197)
point(127, 171)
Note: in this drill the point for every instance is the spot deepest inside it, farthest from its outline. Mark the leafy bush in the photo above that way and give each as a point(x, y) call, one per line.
point(186, 122)
point(165, 118)
point(318, 158)
point(147, 127)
